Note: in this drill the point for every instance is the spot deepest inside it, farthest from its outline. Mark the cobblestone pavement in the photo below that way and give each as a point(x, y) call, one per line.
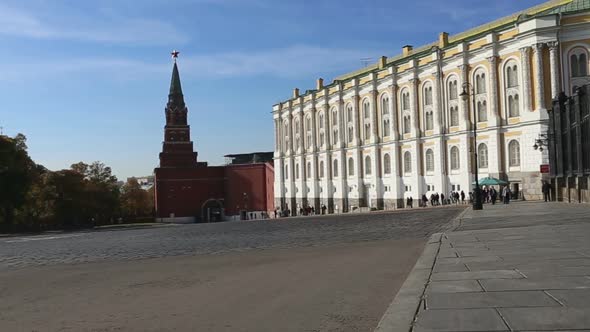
point(16, 252)
point(521, 267)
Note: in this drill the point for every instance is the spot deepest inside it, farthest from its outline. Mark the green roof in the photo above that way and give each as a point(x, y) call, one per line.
point(572, 7)
point(175, 87)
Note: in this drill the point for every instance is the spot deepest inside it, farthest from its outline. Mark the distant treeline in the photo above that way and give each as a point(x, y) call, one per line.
point(33, 198)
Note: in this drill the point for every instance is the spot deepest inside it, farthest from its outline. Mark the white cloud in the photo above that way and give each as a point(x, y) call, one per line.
point(111, 28)
point(292, 61)
point(297, 61)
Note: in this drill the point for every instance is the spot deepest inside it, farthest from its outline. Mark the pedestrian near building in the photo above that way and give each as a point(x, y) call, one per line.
point(546, 191)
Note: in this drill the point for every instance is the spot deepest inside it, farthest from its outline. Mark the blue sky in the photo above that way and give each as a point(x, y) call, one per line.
point(88, 80)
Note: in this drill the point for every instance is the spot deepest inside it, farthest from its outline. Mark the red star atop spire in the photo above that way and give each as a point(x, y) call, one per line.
point(174, 54)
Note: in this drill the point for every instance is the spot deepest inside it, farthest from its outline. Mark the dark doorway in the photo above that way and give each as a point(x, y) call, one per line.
point(212, 211)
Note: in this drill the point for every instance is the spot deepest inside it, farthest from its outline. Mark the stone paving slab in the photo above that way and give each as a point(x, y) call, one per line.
point(471, 275)
point(492, 285)
point(450, 268)
point(490, 300)
point(552, 271)
point(572, 297)
point(546, 318)
point(454, 286)
point(460, 320)
point(519, 267)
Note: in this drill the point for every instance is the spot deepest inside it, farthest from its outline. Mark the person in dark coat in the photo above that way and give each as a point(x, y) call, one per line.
point(546, 191)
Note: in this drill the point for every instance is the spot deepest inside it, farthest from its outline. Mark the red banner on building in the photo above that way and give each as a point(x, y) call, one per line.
point(544, 168)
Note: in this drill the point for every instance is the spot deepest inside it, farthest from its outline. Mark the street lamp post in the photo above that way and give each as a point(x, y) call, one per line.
point(468, 90)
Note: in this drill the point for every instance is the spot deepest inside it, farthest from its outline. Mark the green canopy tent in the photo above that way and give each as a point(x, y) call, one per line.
point(489, 181)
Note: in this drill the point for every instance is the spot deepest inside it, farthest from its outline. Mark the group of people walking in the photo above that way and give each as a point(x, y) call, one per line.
point(489, 195)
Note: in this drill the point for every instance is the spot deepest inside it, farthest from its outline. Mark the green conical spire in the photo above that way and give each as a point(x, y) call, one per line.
point(175, 88)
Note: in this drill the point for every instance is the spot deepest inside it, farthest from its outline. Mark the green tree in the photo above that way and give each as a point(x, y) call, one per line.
point(135, 202)
point(16, 176)
point(100, 199)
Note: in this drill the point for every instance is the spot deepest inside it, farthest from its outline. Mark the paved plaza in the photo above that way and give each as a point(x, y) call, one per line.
point(326, 273)
point(518, 267)
point(191, 239)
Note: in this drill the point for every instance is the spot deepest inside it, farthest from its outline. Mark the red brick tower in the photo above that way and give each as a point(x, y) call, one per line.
point(177, 149)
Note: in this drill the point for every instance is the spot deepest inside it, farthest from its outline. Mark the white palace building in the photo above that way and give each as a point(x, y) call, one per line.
point(400, 127)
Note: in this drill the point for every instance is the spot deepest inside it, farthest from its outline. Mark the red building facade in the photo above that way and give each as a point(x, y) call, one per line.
point(190, 191)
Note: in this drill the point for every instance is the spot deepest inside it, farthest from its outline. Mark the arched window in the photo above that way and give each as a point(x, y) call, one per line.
point(513, 106)
point(321, 131)
point(308, 171)
point(455, 164)
point(297, 171)
point(350, 133)
point(407, 162)
point(583, 63)
point(512, 75)
point(308, 132)
point(366, 119)
point(349, 116)
point(321, 169)
point(297, 139)
point(385, 115)
point(427, 95)
point(407, 124)
point(480, 82)
point(427, 106)
point(512, 90)
point(366, 109)
point(386, 130)
point(405, 100)
point(368, 165)
point(286, 141)
point(286, 172)
point(454, 116)
point(514, 153)
point(335, 169)
point(578, 62)
point(334, 125)
point(482, 155)
point(453, 89)
point(452, 101)
point(429, 120)
point(482, 112)
point(386, 164)
point(429, 160)
point(385, 105)
point(334, 117)
point(350, 167)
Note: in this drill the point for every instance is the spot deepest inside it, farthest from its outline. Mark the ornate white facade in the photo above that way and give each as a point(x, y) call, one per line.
point(400, 128)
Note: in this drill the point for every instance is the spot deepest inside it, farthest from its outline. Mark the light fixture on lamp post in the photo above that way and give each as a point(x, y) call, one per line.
point(468, 90)
point(541, 141)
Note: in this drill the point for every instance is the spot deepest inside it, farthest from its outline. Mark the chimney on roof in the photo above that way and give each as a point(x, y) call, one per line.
point(443, 39)
point(295, 93)
point(382, 62)
point(407, 50)
point(319, 84)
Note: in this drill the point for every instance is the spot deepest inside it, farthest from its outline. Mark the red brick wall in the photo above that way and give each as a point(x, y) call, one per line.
point(183, 191)
point(252, 179)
